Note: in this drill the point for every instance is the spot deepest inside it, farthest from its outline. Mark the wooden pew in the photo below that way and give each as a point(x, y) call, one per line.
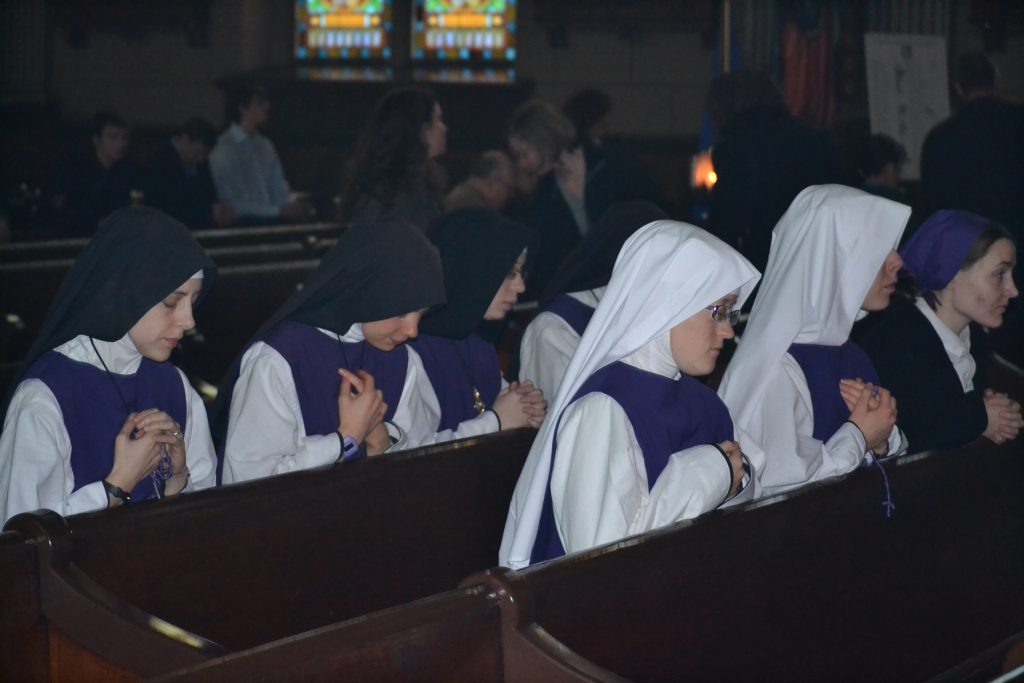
point(243, 565)
point(454, 636)
point(817, 586)
point(308, 235)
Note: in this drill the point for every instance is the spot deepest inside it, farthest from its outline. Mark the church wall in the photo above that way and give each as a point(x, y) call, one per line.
point(656, 76)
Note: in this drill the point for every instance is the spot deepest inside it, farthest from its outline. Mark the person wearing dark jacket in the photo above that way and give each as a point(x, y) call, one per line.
point(764, 157)
point(931, 351)
point(575, 184)
point(178, 180)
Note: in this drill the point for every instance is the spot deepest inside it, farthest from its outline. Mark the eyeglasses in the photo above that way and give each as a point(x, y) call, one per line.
point(724, 313)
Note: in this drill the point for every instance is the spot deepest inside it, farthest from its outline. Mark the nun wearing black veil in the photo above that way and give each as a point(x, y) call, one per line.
point(99, 417)
point(484, 256)
point(329, 376)
point(569, 300)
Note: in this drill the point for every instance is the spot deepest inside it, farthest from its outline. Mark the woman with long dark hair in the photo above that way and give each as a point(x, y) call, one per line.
point(393, 171)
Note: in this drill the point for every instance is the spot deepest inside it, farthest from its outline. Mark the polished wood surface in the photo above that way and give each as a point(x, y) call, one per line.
point(816, 586)
point(243, 565)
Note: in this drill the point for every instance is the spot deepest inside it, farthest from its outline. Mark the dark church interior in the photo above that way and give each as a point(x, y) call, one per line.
point(379, 208)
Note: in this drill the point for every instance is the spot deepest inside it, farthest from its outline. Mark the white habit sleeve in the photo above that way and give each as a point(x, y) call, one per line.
point(599, 487)
point(266, 434)
point(547, 347)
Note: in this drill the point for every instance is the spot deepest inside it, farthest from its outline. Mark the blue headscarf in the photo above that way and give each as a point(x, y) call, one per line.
point(936, 252)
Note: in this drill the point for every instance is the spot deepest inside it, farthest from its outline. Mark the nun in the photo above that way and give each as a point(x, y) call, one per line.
point(633, 441)
point(797, 385)
point(328, 375)
point(99, 417)
point(569, 300)
point(484, 258)
point(931, 348)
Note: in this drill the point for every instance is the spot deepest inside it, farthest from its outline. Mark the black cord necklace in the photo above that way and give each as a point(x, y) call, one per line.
point(165, 469)
point(128, 409)
point(344, 354)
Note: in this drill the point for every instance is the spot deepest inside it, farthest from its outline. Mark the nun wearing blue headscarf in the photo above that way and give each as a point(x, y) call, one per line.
point(930, 346)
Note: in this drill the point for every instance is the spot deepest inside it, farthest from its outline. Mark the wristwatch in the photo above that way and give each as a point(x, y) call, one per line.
point(350, 449)
point(117, 492)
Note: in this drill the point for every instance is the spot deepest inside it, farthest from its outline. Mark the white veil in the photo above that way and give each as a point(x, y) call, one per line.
point(826, 251)
point(666, 272)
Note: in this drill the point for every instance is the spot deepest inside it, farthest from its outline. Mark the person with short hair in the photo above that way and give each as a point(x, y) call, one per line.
point(99, 416)
point(489, 184)
point(574, 183)
point(90, 186)
point(931, 348)
point(246, 169)
point(763, 158)
point(973, 161)
point(883, 160)
point(178, 179)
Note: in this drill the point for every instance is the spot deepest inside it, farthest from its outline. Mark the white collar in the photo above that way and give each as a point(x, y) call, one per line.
point(956, 345)
point(655, 357)
point(120, 357)
point(352, 335)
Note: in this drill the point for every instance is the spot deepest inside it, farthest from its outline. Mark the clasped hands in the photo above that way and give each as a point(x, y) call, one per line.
point(139, 447)
point(1004, 417)
point(521, 404)
point(361, 411)
point(873, 409)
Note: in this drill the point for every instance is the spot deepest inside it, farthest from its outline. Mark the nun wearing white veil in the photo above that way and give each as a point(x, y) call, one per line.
point(632, 441)
point(807, 395)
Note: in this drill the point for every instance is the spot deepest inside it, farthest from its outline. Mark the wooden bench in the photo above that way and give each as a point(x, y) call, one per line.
point(242, 565)
point(307, 235)
point(454, 637)
point(817, 586)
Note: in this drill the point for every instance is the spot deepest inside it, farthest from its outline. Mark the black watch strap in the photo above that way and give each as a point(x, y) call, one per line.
point(117, 492)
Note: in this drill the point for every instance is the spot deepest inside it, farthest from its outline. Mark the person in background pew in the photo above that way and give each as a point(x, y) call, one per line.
point(795, 374)
point(178, 181)
point(100, 417)
point(246, 169)
point(89, 186)
point(327, 369)
point(574, 183)
point(569, 300)
point(930, 347)
point(394, 171)
point(484, 259)
point(489, 184)
point(636, 442)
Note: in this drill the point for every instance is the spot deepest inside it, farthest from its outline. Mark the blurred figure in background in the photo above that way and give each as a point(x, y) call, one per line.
point(91, 185)
point(179, 183)
point(488, 186)
point(882, 164)
point(245, 166)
